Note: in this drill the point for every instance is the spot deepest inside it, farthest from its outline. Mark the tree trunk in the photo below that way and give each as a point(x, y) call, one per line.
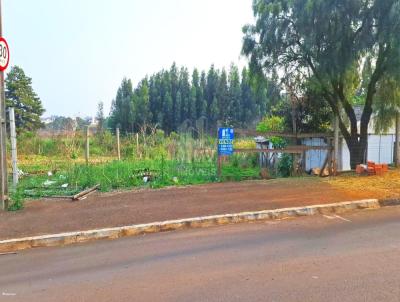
point(357, 150)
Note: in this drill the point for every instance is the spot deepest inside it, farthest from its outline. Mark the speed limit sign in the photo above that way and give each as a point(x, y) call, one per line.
point(4, 54)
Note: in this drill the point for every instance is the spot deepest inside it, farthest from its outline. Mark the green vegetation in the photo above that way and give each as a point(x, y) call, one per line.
point(173, 99)
point(273, 124)
point(338, 52)
point(333, 54)
point(20, 95)
point(156, 161)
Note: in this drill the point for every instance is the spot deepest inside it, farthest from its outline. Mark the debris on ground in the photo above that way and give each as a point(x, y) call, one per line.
point(21, 173)
point(85, 192)
point(371, 168)
point(49, 183)
point(317, 172)
point(142, 173)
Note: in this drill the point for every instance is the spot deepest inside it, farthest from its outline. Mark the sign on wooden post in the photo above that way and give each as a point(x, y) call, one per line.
point(225, 145)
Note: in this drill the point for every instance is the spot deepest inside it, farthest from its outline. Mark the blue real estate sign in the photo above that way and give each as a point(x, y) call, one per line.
point(225, 141)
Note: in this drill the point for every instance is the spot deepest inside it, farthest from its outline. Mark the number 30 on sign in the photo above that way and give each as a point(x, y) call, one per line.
point(4, 54)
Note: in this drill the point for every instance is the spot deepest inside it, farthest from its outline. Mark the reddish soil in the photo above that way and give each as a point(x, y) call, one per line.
point(143, 206)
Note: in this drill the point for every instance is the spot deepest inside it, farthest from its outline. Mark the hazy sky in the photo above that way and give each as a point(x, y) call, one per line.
point(78, 51)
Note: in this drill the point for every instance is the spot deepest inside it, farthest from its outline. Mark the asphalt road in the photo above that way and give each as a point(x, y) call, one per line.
point(353, 257)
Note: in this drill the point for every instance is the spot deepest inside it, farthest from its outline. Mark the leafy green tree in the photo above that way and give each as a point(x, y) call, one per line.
point(234, 95)
point(62, 123)
point(168, 120)
point(323, 41)
point(192, 104)
point(223, 99)
point(387, 106)
point(201, 103)
point(247, 104)
point(178, 110)
point(273, 124)
point(122, 108)
point(20, 95)
point(214, 113)
point(170, 97)
point(141, 111)
point(184, 89)
point(81, 123)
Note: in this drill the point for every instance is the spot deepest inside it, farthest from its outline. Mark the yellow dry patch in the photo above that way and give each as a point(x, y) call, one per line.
point(385, 186)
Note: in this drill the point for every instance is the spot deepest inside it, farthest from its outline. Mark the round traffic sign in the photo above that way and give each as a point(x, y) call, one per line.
point(4, 54)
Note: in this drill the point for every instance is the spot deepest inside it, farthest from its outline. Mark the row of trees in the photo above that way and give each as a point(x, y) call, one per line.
point(172, 97)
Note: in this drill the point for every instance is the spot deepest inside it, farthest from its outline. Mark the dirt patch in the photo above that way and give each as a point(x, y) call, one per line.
point(385, 186)
point(143, 206)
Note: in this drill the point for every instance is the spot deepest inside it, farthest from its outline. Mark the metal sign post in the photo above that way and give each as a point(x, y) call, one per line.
point(4, 60)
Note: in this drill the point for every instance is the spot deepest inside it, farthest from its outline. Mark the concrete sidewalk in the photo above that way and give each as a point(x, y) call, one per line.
point(146, 206)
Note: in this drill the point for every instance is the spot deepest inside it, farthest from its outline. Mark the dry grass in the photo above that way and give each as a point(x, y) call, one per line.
point(386, 186)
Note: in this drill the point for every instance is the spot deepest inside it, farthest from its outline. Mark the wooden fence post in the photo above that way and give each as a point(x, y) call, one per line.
point(137, 144)
point(87, 146)
point(118, 144)
point(13, 137)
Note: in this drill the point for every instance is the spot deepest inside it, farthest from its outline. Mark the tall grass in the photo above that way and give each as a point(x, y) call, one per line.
point(149, 160)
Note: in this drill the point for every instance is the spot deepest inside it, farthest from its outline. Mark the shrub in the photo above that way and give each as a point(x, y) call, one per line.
point(285, 165)
point(271, 124)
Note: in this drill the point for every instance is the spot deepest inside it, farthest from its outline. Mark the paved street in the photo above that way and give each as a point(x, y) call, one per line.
point(352, 257)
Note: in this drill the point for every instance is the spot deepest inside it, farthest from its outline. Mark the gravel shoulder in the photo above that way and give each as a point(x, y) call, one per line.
point(42, 217)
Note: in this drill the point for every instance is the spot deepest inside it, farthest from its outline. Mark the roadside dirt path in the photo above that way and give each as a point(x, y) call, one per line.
point(143, 206)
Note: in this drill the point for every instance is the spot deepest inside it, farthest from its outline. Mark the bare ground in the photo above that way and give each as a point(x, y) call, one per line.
point(143, 206)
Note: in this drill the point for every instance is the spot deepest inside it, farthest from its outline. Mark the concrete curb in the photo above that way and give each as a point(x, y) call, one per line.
point(62, 239)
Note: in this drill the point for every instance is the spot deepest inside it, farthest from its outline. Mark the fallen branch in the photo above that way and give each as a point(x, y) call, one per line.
point(58, 197)
point(86, 192)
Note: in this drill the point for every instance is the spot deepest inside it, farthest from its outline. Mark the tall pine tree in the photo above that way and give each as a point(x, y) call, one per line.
point(20, 95)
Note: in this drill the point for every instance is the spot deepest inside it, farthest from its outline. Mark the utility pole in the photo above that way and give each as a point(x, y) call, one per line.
point(3, 134)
